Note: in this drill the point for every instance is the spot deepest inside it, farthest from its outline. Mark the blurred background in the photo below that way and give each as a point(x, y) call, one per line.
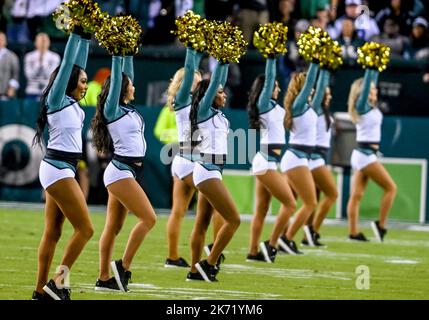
point(31, 47)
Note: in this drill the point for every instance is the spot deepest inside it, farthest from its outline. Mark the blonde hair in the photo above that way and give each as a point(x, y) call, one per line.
point(295, 85)
point(175, 84)
point(355, 91)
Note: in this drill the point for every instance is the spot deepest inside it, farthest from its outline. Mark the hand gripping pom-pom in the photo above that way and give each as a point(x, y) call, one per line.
point(270, 39)
point(374, 55)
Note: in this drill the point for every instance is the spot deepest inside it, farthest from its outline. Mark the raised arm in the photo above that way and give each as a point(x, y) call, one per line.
point(361, 104)
point(302, 98)
point(111, 106)
point(197, 59)
point(128, 67)
point(82, 53)
point(183, 97)
point(267, 90)
point(224, 77)
point(58, 89)
point(207, 101)
point(322, 83)
point(375, 75)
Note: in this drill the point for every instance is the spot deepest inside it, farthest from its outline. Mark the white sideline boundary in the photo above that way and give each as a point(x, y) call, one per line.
point(340, 181)
point(423, 185)
point(396, 225)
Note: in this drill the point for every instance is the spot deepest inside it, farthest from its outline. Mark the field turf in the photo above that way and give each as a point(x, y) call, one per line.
point(398, 268)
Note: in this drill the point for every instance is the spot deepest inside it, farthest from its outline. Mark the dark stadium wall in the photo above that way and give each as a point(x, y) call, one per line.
point(403, 137)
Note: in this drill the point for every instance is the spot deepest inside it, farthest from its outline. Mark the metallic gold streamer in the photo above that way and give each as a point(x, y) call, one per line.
point(225, 42)
point(331, 57)
point(120, 35)
point(84, 13)
point(313, 44)
point(191, 30)
point(270, 39)
point(374, 55)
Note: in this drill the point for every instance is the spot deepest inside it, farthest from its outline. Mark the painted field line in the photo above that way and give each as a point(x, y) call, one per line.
point(398, 261)
point(191, 291)
point(285, 272)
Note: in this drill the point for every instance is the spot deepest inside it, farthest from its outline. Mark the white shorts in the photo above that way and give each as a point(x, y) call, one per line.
point(113, 174)
point(49, 174)
point(316, 163)
point(260, 164)
point(290, 160)
point(202, 174)
point(181, 167)
point(361, 160)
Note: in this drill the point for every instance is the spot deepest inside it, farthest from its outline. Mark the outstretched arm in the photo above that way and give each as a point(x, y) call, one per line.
point(375, 74)
point(128, 67)
point(322, 84)
point(302, 98)
point(58, 89)
point(361, 104)
point(111, 106)
point(267, 91)
point(224, 77)
point(207, 101)
point(183, 97)
point(82, 53)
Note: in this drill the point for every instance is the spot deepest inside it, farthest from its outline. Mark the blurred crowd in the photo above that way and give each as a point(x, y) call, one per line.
point(403, 25)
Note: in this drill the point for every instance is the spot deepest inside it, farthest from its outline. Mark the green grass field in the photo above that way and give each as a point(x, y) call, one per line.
point(399, 268)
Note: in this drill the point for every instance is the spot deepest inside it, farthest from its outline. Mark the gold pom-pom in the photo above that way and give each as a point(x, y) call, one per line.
point(191, 30)
point(313, 44)
point(225, 42)
point(374, 55)
point(270, 39)
point(120, 35)
point(331, 57)
point(84, 13)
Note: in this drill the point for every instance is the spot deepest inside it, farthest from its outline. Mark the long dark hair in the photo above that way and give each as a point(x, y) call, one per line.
point(42, 120)
point(252, 108)
point(198, 94)
point(326, 113)
point(101, 137)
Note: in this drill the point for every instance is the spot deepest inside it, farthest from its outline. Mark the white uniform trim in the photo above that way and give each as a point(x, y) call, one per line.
point(323, 136)
point(368, 127)
point(127, 134)
point(272, 128)
point(304, 129)
point(48, 174)
point(202, 174)
point(360, 160)
point(214, 134)
point(290, 161)
point(65, 128)
point(260, 164)
point(317, 163)
point(181, 167)
point(113, 174)
point(183, 124)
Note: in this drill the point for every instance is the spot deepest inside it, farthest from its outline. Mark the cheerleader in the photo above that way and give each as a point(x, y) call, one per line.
point(60, 110)
point(267, 116)
point(368, 119)
point(321, 174)
point(116, 119)
point(301, 121)
point(212, 126)
point(179, 97)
